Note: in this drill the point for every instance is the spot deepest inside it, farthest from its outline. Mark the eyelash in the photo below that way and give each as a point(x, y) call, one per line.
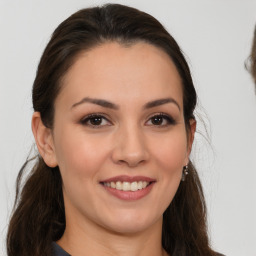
point(167, 118)
point(90, 117)
point(85, 121)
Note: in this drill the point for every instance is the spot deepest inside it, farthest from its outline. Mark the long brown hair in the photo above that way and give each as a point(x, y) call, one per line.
point(39, 217)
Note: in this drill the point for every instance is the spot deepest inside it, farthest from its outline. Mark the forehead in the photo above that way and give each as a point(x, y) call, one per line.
point(122, 72)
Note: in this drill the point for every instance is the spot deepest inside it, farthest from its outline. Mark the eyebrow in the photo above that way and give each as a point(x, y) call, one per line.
point(108, 104)
point(159, 102)
point(100, 102)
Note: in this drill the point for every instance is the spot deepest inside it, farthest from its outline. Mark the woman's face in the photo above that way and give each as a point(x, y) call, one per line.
point(119, 137)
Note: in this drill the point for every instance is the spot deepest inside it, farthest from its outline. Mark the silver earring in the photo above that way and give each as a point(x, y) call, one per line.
point(184, 173)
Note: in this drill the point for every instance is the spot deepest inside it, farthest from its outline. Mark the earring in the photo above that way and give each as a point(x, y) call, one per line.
point(184, 173)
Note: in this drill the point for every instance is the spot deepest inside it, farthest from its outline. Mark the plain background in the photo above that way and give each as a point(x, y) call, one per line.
point(216, 37)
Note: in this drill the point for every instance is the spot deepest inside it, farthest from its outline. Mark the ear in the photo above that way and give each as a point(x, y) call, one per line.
point(44, 140)
point(191, 135)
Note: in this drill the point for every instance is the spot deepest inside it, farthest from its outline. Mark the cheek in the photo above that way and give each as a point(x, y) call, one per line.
point(171, 152)
point(169, 156)
point(80, 159)
point(78, 155)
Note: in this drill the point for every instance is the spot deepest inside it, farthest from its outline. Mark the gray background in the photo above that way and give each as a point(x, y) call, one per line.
point(216, 37)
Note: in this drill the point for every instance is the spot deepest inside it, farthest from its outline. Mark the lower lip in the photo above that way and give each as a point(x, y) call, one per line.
point(130, 195)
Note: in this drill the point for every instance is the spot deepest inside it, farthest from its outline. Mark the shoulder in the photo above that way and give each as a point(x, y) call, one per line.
point(58, 251)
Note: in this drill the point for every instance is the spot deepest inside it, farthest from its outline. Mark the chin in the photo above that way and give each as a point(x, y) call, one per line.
point(131, 224)
point(128, 229)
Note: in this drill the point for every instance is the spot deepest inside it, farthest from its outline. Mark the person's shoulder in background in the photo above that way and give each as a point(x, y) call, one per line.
point(251, 65)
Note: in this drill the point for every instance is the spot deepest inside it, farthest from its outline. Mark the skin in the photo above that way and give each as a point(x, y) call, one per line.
point(126, 142)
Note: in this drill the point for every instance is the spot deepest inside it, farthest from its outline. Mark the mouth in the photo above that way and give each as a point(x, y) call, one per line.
point(128, 188)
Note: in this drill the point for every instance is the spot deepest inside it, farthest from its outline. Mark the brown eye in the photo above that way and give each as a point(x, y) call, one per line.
point(157, 120)
point(161, 120)
point(95, 121)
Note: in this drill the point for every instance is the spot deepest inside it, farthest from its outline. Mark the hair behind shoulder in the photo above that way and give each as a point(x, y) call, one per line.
point(39, 216)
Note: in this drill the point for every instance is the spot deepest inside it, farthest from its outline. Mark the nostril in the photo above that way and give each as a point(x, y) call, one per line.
point(130, 152)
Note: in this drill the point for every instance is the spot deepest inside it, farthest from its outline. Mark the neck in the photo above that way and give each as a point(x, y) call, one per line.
point(90, 239)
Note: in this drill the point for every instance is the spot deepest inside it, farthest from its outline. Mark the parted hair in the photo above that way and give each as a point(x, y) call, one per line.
point(38, 216)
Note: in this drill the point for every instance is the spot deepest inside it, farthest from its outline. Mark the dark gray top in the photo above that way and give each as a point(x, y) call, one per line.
point(58, 251)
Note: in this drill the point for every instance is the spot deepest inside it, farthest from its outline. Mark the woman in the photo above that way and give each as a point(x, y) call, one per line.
point(114, 125)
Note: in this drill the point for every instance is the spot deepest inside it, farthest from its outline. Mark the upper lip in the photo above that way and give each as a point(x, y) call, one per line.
point(127, 178)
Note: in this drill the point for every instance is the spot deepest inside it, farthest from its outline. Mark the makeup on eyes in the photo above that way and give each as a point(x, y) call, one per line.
point(95, 119)
point(98, 120)
point(160, 117)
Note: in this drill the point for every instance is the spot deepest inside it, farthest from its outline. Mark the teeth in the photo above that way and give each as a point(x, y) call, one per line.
point(144, 184)
point(113, 184)
point(134, 186)
point(139, 184)
point(119, 185)
point(127, 186)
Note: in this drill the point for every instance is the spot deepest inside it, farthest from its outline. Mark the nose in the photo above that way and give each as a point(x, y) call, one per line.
point(130, 147)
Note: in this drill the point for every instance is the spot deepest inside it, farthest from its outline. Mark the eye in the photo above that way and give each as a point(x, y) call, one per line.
point(95, 121)
point(161, 120)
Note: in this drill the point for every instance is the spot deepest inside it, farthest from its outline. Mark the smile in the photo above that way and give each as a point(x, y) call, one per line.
point(128, 188)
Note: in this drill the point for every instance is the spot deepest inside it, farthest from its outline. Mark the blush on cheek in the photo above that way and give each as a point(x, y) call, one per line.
point(171, 157)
